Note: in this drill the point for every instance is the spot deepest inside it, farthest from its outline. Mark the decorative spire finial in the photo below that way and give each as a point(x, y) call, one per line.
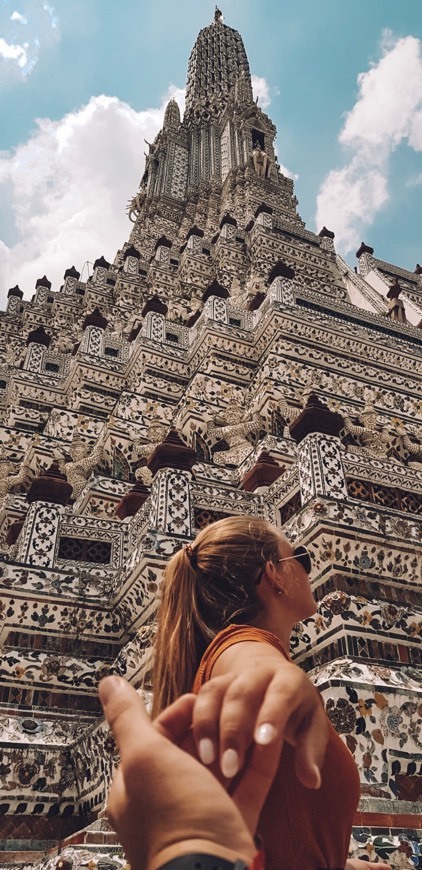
point(218, 15)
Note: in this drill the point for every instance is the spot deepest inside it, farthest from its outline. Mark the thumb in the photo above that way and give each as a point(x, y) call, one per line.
point(125, 713)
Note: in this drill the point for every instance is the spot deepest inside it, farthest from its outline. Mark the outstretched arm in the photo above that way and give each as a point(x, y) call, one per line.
point(163, 803)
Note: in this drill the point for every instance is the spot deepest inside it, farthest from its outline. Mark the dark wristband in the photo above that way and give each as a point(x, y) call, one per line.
point(202, 861)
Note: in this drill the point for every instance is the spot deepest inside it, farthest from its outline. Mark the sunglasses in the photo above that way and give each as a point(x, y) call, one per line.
point(302, 555)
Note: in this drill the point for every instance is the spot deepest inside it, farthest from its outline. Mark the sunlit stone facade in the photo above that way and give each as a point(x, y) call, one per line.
point(228, 362)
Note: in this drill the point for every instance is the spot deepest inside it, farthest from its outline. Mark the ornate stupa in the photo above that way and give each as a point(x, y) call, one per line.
point(228, 361)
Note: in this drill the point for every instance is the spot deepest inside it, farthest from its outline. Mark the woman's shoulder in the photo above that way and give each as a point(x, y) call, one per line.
point(237, 633)
point(226, 638)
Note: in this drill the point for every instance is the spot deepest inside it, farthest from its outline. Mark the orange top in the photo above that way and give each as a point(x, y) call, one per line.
point(301, 828)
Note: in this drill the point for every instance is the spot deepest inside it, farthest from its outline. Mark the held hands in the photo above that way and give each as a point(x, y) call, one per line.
point(261, 700)
point(163, 802)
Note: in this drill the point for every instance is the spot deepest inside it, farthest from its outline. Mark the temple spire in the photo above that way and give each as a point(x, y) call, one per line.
point(218, 59)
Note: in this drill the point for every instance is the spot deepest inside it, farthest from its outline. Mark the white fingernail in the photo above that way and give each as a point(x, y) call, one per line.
point(317, 773)
point(206, 751)
point(230, 763)
point(265, 734)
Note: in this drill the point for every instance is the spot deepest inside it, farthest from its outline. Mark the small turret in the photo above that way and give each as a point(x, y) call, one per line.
point(172, 116)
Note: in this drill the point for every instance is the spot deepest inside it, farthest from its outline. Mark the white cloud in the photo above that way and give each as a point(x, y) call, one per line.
point(388, 112)
point(415, 180)
point(261, 90)
point(41, 28)
point(16, 53)
point(51, 12)
point(64, 192)
point(16, 16)
point(288, 172)
point(68, 187)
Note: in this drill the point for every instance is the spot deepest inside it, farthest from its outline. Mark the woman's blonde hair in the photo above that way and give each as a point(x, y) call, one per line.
point(207, 586)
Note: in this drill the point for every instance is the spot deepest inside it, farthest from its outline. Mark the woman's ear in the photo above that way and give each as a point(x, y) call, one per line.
point(270, 572)
point(270, 584)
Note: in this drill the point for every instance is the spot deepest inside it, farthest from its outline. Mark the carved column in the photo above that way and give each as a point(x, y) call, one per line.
point(47, 496)
point(215, 302)
point(365, 258)
point(327, 240)
point(171, 508)
point(92, 341)
point(154, 322)
point(38, 341)
point(171, 504)
point(14, 298)
point(94, 326)
point(101, 267)
point(281, 290)
point(316, 432)
point(71, 278)
point(131, 259)
point(42, 289)
point(264, 217)
point(216, 309)
point(154, 327)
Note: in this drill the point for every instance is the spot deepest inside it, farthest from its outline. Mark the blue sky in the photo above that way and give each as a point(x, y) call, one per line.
point(83, 82)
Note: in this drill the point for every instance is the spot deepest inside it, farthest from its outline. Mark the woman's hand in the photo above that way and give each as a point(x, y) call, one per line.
point(256, 695)
point(357, 864)
point(164, 803)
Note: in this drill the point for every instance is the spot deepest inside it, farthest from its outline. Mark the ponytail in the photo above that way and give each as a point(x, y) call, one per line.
point(206, 586)
point(179, 646)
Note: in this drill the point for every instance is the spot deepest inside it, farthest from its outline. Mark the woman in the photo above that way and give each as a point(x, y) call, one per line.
point(229, 602)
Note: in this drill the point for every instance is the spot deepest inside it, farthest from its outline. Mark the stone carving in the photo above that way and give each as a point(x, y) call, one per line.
point(236, 289)
point(317, 452)
point(396, 309)
point(372, 435)
point(8, 479)
point(261, 161)
point(288, 412)
point(14, 353)
point(254, 285)
point(82, 464)
point(136, 204)
point(143, 450)
point(64, 343)
point(115, 330)
point(238, 423)
point(181, 308)
point(413, 447)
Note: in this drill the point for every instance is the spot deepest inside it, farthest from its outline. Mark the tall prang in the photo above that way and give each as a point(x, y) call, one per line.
point(228, 362)
point(213, 170)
